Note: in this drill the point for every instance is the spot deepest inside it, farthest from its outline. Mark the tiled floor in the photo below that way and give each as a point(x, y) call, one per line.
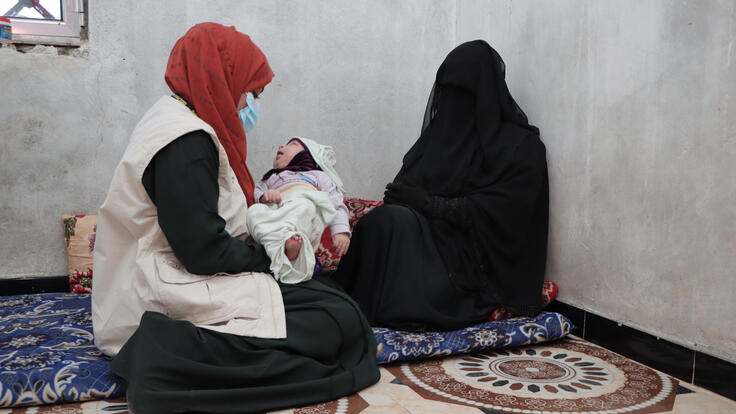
point(569, 376)
point(688, 365)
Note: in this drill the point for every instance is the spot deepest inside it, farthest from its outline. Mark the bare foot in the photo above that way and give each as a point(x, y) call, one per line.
point(292, 246)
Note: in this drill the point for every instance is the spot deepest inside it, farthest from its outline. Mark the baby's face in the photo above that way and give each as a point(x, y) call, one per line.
point(286, 153)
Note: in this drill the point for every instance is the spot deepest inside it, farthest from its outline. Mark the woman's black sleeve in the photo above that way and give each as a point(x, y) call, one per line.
point(182, 182)
point(450, 209)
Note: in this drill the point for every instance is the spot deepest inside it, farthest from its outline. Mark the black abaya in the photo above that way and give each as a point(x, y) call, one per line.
point(398, 278)
point(477, 178)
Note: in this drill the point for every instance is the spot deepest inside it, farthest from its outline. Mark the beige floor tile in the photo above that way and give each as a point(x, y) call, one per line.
point(385, 376)
point(437, 407)
point(402, 393)
point(703, 402)
point(406, 400)
point(395, 409)
point(378, 396)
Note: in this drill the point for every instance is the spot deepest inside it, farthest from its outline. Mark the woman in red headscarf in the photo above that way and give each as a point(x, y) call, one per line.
point(180, 296)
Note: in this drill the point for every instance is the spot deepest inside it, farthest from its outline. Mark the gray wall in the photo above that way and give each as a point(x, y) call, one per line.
point(352, 74)
point(634, 100)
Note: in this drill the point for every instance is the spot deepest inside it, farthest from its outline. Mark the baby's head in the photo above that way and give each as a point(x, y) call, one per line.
point(286, 152)
point(303, 154)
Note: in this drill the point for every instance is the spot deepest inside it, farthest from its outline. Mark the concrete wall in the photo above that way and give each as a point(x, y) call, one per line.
point(353, 74)
point(634, 100)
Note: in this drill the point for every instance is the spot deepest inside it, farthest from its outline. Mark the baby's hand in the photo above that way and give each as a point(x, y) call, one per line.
point(271, 196)
point(341, 242)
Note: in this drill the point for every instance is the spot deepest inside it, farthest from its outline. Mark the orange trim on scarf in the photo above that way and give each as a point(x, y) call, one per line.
point(211, 66)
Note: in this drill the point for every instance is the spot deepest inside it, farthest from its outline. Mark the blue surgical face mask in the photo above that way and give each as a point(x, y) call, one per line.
point(249, 114)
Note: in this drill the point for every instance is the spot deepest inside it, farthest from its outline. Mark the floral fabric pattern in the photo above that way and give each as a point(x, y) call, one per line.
point(80, 232)
point(414, 344)
point(357, 208)
point(69, 224)
point(81, 282)
point(47, 354)
point(396, 346)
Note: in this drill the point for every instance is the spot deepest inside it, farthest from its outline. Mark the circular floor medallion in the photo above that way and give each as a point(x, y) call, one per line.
point(352, 404)
point(567, 377)
point(547, 373)
point(535, 369)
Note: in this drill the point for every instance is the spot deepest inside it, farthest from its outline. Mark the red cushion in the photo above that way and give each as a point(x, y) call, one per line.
point(357, 208)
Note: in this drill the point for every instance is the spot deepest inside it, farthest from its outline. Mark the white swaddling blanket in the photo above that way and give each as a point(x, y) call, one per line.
point(304, 211)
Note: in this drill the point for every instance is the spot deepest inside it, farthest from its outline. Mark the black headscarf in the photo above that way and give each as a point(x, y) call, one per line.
point(476, 144)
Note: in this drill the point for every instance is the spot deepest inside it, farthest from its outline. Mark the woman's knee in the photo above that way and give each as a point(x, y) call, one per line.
point(386, 215)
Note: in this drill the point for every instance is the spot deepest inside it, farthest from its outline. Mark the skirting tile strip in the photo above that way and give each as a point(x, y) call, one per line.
point(24, 286)
point(688, 365)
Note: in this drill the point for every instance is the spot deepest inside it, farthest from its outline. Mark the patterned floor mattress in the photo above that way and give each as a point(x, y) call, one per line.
point(47, 353)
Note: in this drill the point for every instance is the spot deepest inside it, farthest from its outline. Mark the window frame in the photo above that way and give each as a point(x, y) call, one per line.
point(65, 32)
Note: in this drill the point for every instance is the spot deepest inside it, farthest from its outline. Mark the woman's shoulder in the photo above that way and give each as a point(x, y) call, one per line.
point(197, 138)
point(194, 144)
point(198, 135)
point(515, 136)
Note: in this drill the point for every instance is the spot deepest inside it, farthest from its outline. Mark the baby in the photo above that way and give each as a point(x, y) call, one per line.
point(297, 199)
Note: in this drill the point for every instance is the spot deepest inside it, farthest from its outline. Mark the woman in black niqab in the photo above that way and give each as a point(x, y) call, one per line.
point(464, 225)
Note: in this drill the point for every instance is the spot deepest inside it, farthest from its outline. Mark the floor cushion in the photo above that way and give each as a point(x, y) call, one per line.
point(80, 232)
point(394, 346)
point(47, 353)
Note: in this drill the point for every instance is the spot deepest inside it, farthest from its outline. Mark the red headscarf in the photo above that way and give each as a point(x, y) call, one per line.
point(211, 66)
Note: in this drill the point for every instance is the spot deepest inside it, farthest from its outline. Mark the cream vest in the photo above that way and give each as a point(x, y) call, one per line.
point(135, 269)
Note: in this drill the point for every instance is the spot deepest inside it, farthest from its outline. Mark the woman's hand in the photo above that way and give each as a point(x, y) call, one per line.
point(271, 196)
point(414, 197)
point(341, 242)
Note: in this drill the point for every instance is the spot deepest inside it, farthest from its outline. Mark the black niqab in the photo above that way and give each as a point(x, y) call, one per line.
point(477, 144)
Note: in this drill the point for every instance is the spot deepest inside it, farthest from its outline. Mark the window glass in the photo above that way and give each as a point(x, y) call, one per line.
point(50, 22)
point(32, 9)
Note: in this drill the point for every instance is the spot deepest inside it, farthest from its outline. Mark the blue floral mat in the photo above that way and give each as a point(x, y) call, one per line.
point(47, 352)
point(394, 346)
